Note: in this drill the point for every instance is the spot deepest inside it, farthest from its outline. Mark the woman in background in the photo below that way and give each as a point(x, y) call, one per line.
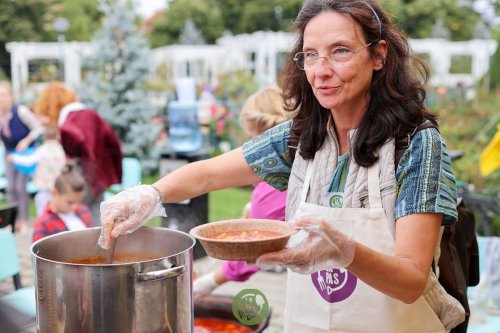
point(86, 138)
point(19, 128)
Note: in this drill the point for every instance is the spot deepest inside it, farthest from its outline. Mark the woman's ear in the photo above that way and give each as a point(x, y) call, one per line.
point(381, 51)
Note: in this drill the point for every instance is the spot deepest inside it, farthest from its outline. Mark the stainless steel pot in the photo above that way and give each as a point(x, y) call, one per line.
point(145, 296)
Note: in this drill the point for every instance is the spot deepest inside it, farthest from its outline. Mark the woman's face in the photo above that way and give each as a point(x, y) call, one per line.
point(339, 88)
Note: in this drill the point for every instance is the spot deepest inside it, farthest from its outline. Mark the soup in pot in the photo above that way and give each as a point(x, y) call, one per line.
point(118, 258)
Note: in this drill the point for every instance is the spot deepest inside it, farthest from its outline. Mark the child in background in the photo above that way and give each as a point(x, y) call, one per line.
point(64, 211)
point(262, 110)
point(50, 160)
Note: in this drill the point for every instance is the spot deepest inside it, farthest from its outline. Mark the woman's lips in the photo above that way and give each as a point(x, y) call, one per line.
point(327, 90)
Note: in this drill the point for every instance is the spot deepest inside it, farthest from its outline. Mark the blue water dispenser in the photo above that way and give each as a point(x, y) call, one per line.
point(184, 133)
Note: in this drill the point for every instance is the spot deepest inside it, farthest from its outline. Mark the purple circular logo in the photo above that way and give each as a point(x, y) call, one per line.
point(334, 285)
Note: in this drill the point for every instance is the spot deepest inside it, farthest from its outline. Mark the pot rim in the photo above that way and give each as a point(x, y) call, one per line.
point(60, 234)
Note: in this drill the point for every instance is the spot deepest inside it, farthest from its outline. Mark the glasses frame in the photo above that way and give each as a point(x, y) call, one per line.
point(335, 65)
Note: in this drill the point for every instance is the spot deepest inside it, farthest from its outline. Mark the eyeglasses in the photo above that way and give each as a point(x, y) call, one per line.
point(339, 57)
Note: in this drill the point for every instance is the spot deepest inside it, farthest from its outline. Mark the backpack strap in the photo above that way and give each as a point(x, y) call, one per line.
point(403, 143)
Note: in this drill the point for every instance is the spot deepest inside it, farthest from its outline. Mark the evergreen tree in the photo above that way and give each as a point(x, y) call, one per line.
point(116, 75)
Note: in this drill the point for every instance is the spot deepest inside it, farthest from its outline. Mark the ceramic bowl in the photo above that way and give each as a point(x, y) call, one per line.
point(237, 249)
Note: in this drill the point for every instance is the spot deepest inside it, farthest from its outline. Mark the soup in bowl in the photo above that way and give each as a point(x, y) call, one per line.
point(243, 239)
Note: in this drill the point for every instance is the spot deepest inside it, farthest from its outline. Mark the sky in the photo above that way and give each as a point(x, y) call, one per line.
point(147, 8)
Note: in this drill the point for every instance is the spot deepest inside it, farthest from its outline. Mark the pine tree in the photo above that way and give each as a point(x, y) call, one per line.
point(116, 73)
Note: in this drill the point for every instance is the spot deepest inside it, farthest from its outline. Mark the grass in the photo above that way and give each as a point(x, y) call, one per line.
point(228, 203)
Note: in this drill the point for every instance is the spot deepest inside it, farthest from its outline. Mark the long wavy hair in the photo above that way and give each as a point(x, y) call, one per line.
point(397, 91)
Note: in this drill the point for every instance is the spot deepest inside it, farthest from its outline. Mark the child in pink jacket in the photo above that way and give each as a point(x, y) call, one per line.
point(262, 111)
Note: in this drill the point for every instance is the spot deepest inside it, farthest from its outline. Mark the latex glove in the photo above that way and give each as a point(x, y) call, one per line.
point(204, 285)
point(127, 211)
point(324, 247)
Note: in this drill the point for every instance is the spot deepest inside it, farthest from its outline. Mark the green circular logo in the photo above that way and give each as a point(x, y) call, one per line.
point(336, 201)
point(250, 306)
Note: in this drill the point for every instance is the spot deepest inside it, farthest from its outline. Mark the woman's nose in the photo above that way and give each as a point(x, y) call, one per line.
point(323, 67)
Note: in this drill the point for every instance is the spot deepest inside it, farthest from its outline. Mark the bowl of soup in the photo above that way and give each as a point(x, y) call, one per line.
point(242, 239)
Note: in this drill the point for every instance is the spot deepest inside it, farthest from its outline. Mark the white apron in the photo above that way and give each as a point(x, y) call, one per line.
point(335, 300)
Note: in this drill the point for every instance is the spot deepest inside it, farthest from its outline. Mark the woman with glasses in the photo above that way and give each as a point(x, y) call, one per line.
point(370, 227)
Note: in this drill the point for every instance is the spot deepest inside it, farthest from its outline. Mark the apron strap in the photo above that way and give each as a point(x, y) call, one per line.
point(374, 186)
point(307, 181)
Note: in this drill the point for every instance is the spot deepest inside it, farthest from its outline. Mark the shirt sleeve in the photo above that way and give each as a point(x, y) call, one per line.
point(269, 156)
point(425, 180)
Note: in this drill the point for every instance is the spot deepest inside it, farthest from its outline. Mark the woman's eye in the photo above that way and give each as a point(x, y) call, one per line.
point(341, 51)
point(310, 55)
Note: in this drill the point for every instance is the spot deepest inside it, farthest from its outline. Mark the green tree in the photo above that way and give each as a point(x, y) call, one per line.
point(21, 20)
point(242, 16)
point(495, 63)
point(84, 18)
point(115, 85)
point(275, 15)
point(417, 17)
point(205, 14)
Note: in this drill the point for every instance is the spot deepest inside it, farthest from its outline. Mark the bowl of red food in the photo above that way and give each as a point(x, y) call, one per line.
point(242, 239)
point(214, 313)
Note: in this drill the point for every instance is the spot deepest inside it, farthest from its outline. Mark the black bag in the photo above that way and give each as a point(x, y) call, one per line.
point(459, 260)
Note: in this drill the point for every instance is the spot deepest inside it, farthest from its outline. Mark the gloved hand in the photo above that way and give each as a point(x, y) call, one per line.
point(204, 285)
point(127, 211)
point(324, 247)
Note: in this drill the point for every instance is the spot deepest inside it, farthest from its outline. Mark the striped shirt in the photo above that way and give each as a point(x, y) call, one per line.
point(424, 177)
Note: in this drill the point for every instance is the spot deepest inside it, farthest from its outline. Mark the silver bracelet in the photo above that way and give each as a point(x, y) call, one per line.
point(160, 193)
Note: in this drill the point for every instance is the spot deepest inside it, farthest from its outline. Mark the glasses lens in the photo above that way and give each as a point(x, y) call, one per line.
point(299, 60)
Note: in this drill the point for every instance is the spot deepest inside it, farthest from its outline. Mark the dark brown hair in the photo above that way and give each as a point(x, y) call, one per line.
point(69, 180)
point(397, 90)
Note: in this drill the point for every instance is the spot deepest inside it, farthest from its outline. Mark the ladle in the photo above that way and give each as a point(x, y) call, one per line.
point(111, 252)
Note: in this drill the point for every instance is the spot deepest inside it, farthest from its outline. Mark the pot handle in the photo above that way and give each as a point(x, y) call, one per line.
point(162, 274)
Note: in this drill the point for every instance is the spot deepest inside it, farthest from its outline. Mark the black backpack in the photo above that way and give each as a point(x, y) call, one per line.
point(459, 260)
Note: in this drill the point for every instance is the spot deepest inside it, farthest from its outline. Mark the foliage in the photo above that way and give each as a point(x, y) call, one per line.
point(495, 63)
point(469, 127)
point(84, 18)
point(205, 14)
point(213, 17)
point(233, 90)
point(116, 76)
point(235, 87)
point(274, 15)
point(21, 20)
point(417, 17)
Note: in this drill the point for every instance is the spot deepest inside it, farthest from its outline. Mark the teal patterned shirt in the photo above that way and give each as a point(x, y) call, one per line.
point(424, 176)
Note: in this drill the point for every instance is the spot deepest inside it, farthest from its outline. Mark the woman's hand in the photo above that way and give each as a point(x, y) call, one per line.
point(127, 211)
point(324, 247)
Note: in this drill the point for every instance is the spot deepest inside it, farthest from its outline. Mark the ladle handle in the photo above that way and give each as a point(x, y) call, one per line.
point(111, 252)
